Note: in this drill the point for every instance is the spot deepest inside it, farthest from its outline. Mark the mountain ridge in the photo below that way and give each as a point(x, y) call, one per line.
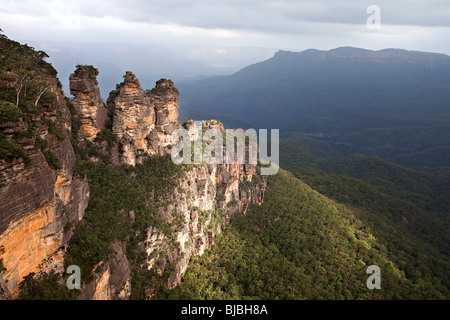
point(352, 52)
point(338, 96)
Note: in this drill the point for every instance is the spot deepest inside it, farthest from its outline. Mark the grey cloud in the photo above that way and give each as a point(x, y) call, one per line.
point(272, 15)
point(253, 15)
point(263, 23)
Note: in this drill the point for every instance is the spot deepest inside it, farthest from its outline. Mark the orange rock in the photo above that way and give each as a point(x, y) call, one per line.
point(102, 288)
point(28, 242)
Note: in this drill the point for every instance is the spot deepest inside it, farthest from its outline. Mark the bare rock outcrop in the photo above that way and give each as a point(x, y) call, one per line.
point(143, 121)
point(164, 97)
point(88, 101)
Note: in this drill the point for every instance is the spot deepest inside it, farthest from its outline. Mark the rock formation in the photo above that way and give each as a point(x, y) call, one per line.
point(41, 202)
point(207, 198)
point(143, 122)
point(202, 203)
point(164, 97)
point(88, 101)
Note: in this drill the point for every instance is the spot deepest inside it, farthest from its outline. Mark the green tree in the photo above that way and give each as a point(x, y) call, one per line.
point(25, 71)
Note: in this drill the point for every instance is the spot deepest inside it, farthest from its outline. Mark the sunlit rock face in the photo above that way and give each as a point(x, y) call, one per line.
point(143, 121)
point(38, 202)
point(88, 102)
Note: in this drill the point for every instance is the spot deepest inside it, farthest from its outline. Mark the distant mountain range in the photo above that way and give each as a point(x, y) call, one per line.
point(391, 103)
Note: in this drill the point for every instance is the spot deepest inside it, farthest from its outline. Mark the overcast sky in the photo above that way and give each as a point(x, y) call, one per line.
point(218, 24)
point(291, 24)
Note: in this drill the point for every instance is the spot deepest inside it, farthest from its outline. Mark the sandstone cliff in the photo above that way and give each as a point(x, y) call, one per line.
point(88, 101)
point(195, 212)
point(207, 198)
point(43, 200)
point(38, 197)
point(198, 207)
point(143, 121)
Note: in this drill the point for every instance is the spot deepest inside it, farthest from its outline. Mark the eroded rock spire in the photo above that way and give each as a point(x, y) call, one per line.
point(88, 101)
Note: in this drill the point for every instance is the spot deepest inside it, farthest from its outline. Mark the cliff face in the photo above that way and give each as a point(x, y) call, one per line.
point(208, 197)
point(113, 280)
point(88, 101)
point(38, 200)
point(164, 97)
point(198, 208)
point(42, 200)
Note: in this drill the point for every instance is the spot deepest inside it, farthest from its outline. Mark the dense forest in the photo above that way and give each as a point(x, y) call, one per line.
point(356, 161)
point(301, 245)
